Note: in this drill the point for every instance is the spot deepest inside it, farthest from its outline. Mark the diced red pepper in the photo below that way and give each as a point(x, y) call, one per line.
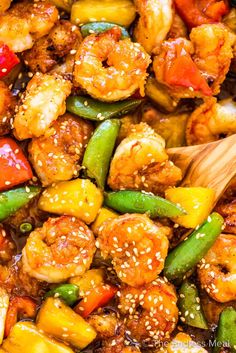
point(8, 59)
point(98, 297)
point(198, 12)
point(25, 307)
point(15, 168)
point(182, 71)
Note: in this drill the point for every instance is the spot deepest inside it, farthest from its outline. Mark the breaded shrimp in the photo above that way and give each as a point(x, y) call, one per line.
point(62, 248)
point(110, 69)
point(138, 247)
point(7, 107)
point(48, 50)
point(213, 51)
point(217, 270)
point(56, 155)
point(154, 23)
point(41, 104)
point(140, 162)
point(25, 22)
point(151, 311)
point(210, 120)
point(4, 5)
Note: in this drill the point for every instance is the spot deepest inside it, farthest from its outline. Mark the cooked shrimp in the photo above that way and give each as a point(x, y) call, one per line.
point(7, 106)
point(210, 120)
point(213, 51)
point(138, 247)
point(56, 155)
point(151, 310)
point(62, 248)
point(217, 270)
point(141, 162)
point(178, 28)
point(41, 104)
point(124, 70)
point(154, 23)
point(4, 5)
point(48, 50)
point(228, 210)
point(7, 246)
point(26, 21)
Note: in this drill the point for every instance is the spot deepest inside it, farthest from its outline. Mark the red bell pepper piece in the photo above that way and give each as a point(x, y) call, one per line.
point(182, 71)
point(8, 60)
point(15, 169)
point(95, 299)
point(24, 307)
point(198, 12)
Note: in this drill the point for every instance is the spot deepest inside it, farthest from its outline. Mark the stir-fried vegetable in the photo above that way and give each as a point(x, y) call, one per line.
point(99, 151)
point(56, 318)
point(188, 253)
point(91, 279)
point(226, 330)
point(97, 297)
point(79, 198)
point(141, 202)
point(190, 307)
point(15, 169)
point(69, 293)
point(121, 12)
point(103, 215)
point(26, 337)
point(91, 109)
point(63, 4)
point(7, 60)
point(99, 27)
point(4, 303)
point(197, 201)
point(13, 200)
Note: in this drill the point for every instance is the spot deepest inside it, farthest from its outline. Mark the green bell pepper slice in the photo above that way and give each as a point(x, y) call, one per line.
point(67, 292)
point(12, 200)
point(99, 27)
point(91, 109)
point(190, 307)
point(99, 150)
point(226, 332)
point(189, 252)
point(127, 201)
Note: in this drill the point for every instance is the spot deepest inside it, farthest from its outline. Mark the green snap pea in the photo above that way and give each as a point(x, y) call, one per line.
point(99, 150)
point(190, 307)
point(99, 27)
point(92, 109)
point(127, 201)
point(226, 332)
point(188, 253)
point(12, 200)
point(68, 292)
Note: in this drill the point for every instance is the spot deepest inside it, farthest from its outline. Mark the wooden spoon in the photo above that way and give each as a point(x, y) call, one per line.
point(211, 165)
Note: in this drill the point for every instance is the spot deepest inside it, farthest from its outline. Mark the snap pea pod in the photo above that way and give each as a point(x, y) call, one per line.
point(188, 253)
point(12, 200)
point(92, 109)
point(226, 332)
point(189, 305)
point(127, 201)
point(99, 150)
point(99, 27)
point(68, 292)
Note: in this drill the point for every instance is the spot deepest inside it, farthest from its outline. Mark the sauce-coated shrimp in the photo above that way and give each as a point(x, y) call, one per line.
point(210, 120)
point(62, 248)
point(7, 246)
point(154, 23)
point(124, 70)
point(41, 104)
point(217, 270)
point(151, 310)
point(56, 155)
point(7, 106)
point(137, 246)
point(140, 162)
point(26, 21)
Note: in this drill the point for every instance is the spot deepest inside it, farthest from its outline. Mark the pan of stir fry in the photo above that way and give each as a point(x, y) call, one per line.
point(118, 176)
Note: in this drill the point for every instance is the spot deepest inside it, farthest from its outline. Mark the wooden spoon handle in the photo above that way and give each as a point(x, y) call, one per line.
point(210, 165)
